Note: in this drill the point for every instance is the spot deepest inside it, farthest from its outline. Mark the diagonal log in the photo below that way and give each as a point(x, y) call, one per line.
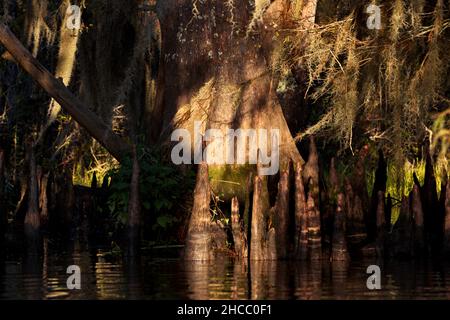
point(85, 117)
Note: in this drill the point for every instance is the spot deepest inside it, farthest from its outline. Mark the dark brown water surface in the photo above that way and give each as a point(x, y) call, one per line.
point(106, 276)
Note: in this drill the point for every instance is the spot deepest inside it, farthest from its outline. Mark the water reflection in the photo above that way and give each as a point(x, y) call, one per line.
point(42, 275)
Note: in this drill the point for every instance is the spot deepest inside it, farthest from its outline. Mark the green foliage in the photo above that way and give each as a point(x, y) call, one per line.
point(161, 188)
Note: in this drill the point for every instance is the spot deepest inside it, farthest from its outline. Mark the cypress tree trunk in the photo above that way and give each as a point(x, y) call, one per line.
point(43, 199)
point(225, 82)
point(215, 69)
point(68, 40)
point(32, 218)
point(134, 208)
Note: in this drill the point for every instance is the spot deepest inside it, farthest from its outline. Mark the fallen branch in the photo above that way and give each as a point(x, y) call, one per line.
point(115, 145)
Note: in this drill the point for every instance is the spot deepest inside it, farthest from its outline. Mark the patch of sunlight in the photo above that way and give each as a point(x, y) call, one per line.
point(83, 177)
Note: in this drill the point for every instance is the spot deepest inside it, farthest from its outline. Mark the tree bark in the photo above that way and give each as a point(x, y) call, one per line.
point(379, 185)
point(58, 91)
point(32, 218)
point(311, 171)
point(225, 82)
point(237, 227)
point(334, 179)
point(43, 199)
point(134, 208)
point(198, 242)
point(260, 210)
point(301, 216)
point(417, 211)
point(282, 216)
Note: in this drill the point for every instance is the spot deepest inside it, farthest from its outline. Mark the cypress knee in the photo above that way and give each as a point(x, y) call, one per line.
point(379, 185)
point(381, 225)
point(43, 199)
point(417, 211)
point(311, 171)
point(282, 215)
point(432, 223)
point(134, 207)
point(358, 179)
point(339, 243)
point(388, 213)
point(94, 179)
point(329, 198)
point(402, 232)
point(258, 225)
point(271, 245)
point(314, 236)
point(301, 216)
point(198, 235)
point(356, 229)
point(239, 236)
point(334, 180)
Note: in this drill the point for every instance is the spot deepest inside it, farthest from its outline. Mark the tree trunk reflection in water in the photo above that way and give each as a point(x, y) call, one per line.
point(134, 277)
point(104, 276)
point(32, 274)
point(339, 274)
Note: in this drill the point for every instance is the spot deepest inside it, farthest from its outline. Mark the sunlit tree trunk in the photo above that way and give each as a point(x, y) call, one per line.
point(214, 69)
point(68, 40)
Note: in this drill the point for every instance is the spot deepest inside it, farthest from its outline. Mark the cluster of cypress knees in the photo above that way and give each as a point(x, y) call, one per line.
point(335, 220)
